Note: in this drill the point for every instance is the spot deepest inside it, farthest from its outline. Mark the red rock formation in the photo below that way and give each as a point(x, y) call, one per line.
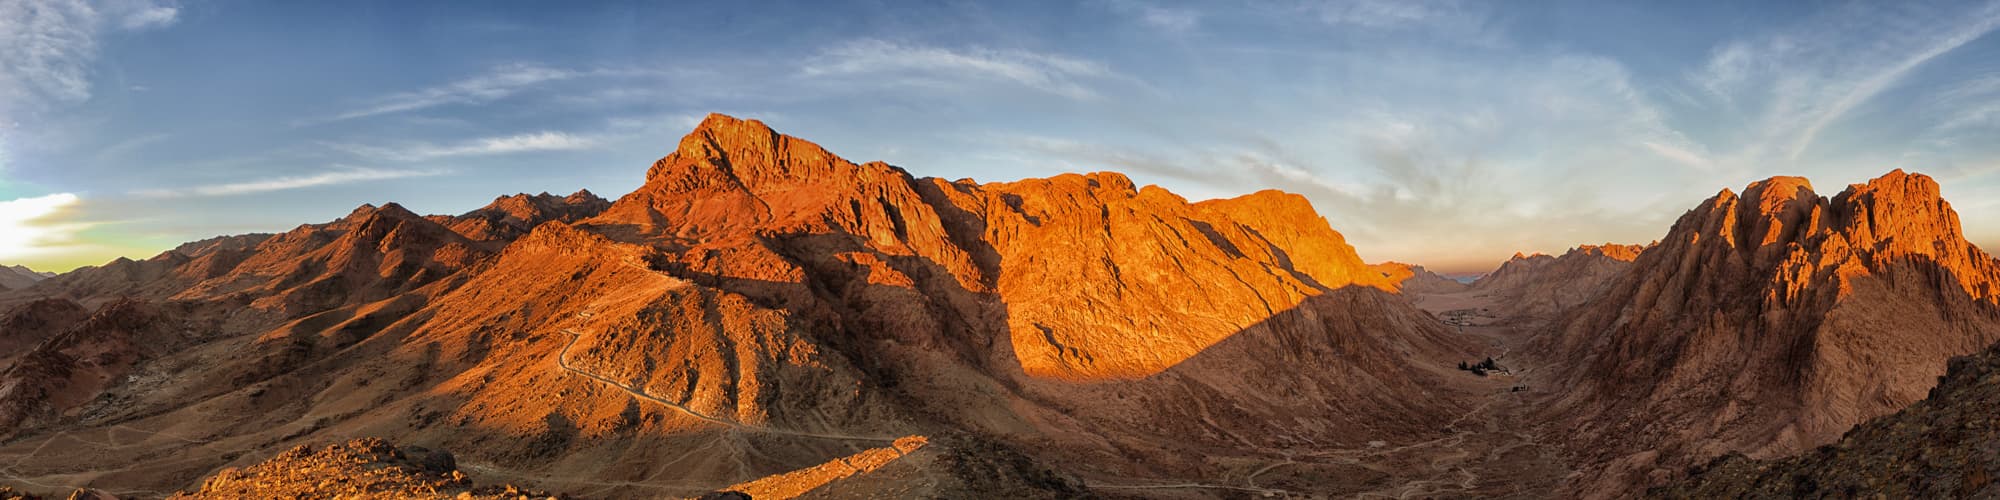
point(1772, 322)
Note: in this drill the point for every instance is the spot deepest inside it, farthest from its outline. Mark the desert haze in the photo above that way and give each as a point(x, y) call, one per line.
point(1100, 249)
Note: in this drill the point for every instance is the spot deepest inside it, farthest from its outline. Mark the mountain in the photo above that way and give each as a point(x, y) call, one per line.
point(1768, 323)
point(1941, 447)
point(1539, 287)
point(16, 277)
point(766, 312)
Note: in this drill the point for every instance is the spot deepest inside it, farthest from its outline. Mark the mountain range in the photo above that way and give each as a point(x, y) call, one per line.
point(765, 317)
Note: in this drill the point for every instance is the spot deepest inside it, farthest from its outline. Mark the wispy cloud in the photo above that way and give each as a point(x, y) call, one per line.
point(1868, 87)
point(935, 67)
point(1802, 81)
point(142, 14)
point(343, 176)
point(1680, 154)
point(1164, 18)
point(47, 46)
point(520, 143)
point(498, 83)
point(1447, 20)
point(1383, 13)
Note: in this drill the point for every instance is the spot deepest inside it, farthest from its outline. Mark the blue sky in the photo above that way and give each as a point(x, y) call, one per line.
point(1451, 134)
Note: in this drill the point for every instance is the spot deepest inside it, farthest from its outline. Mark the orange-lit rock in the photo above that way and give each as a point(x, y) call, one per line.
point(1772, 322)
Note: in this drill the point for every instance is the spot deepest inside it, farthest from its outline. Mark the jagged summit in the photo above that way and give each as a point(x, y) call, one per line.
point(747, 153)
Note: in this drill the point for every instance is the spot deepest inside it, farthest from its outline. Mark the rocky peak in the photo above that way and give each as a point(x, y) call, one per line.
point(1780, 295)
point(744, 153)
point(1900, 211)
point(730, 175)
point(584, 196)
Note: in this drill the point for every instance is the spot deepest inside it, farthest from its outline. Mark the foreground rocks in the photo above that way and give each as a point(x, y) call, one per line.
point(362, 468)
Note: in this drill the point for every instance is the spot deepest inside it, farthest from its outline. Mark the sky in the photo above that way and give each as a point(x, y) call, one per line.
point(1448, 134)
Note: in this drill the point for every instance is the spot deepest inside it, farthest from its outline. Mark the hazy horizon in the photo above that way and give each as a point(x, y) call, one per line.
point(1447, 134)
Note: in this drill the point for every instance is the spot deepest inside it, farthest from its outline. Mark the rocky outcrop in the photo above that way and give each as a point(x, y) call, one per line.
point(1771, 322)
point(1945, 446)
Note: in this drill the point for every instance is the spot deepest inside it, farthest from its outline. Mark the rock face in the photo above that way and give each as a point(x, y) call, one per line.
point(1945, 446)
point(770, 306)
point(1539, 287)
point(1771, 322)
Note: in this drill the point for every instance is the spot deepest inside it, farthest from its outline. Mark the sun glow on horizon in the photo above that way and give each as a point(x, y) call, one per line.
point(26, 228)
